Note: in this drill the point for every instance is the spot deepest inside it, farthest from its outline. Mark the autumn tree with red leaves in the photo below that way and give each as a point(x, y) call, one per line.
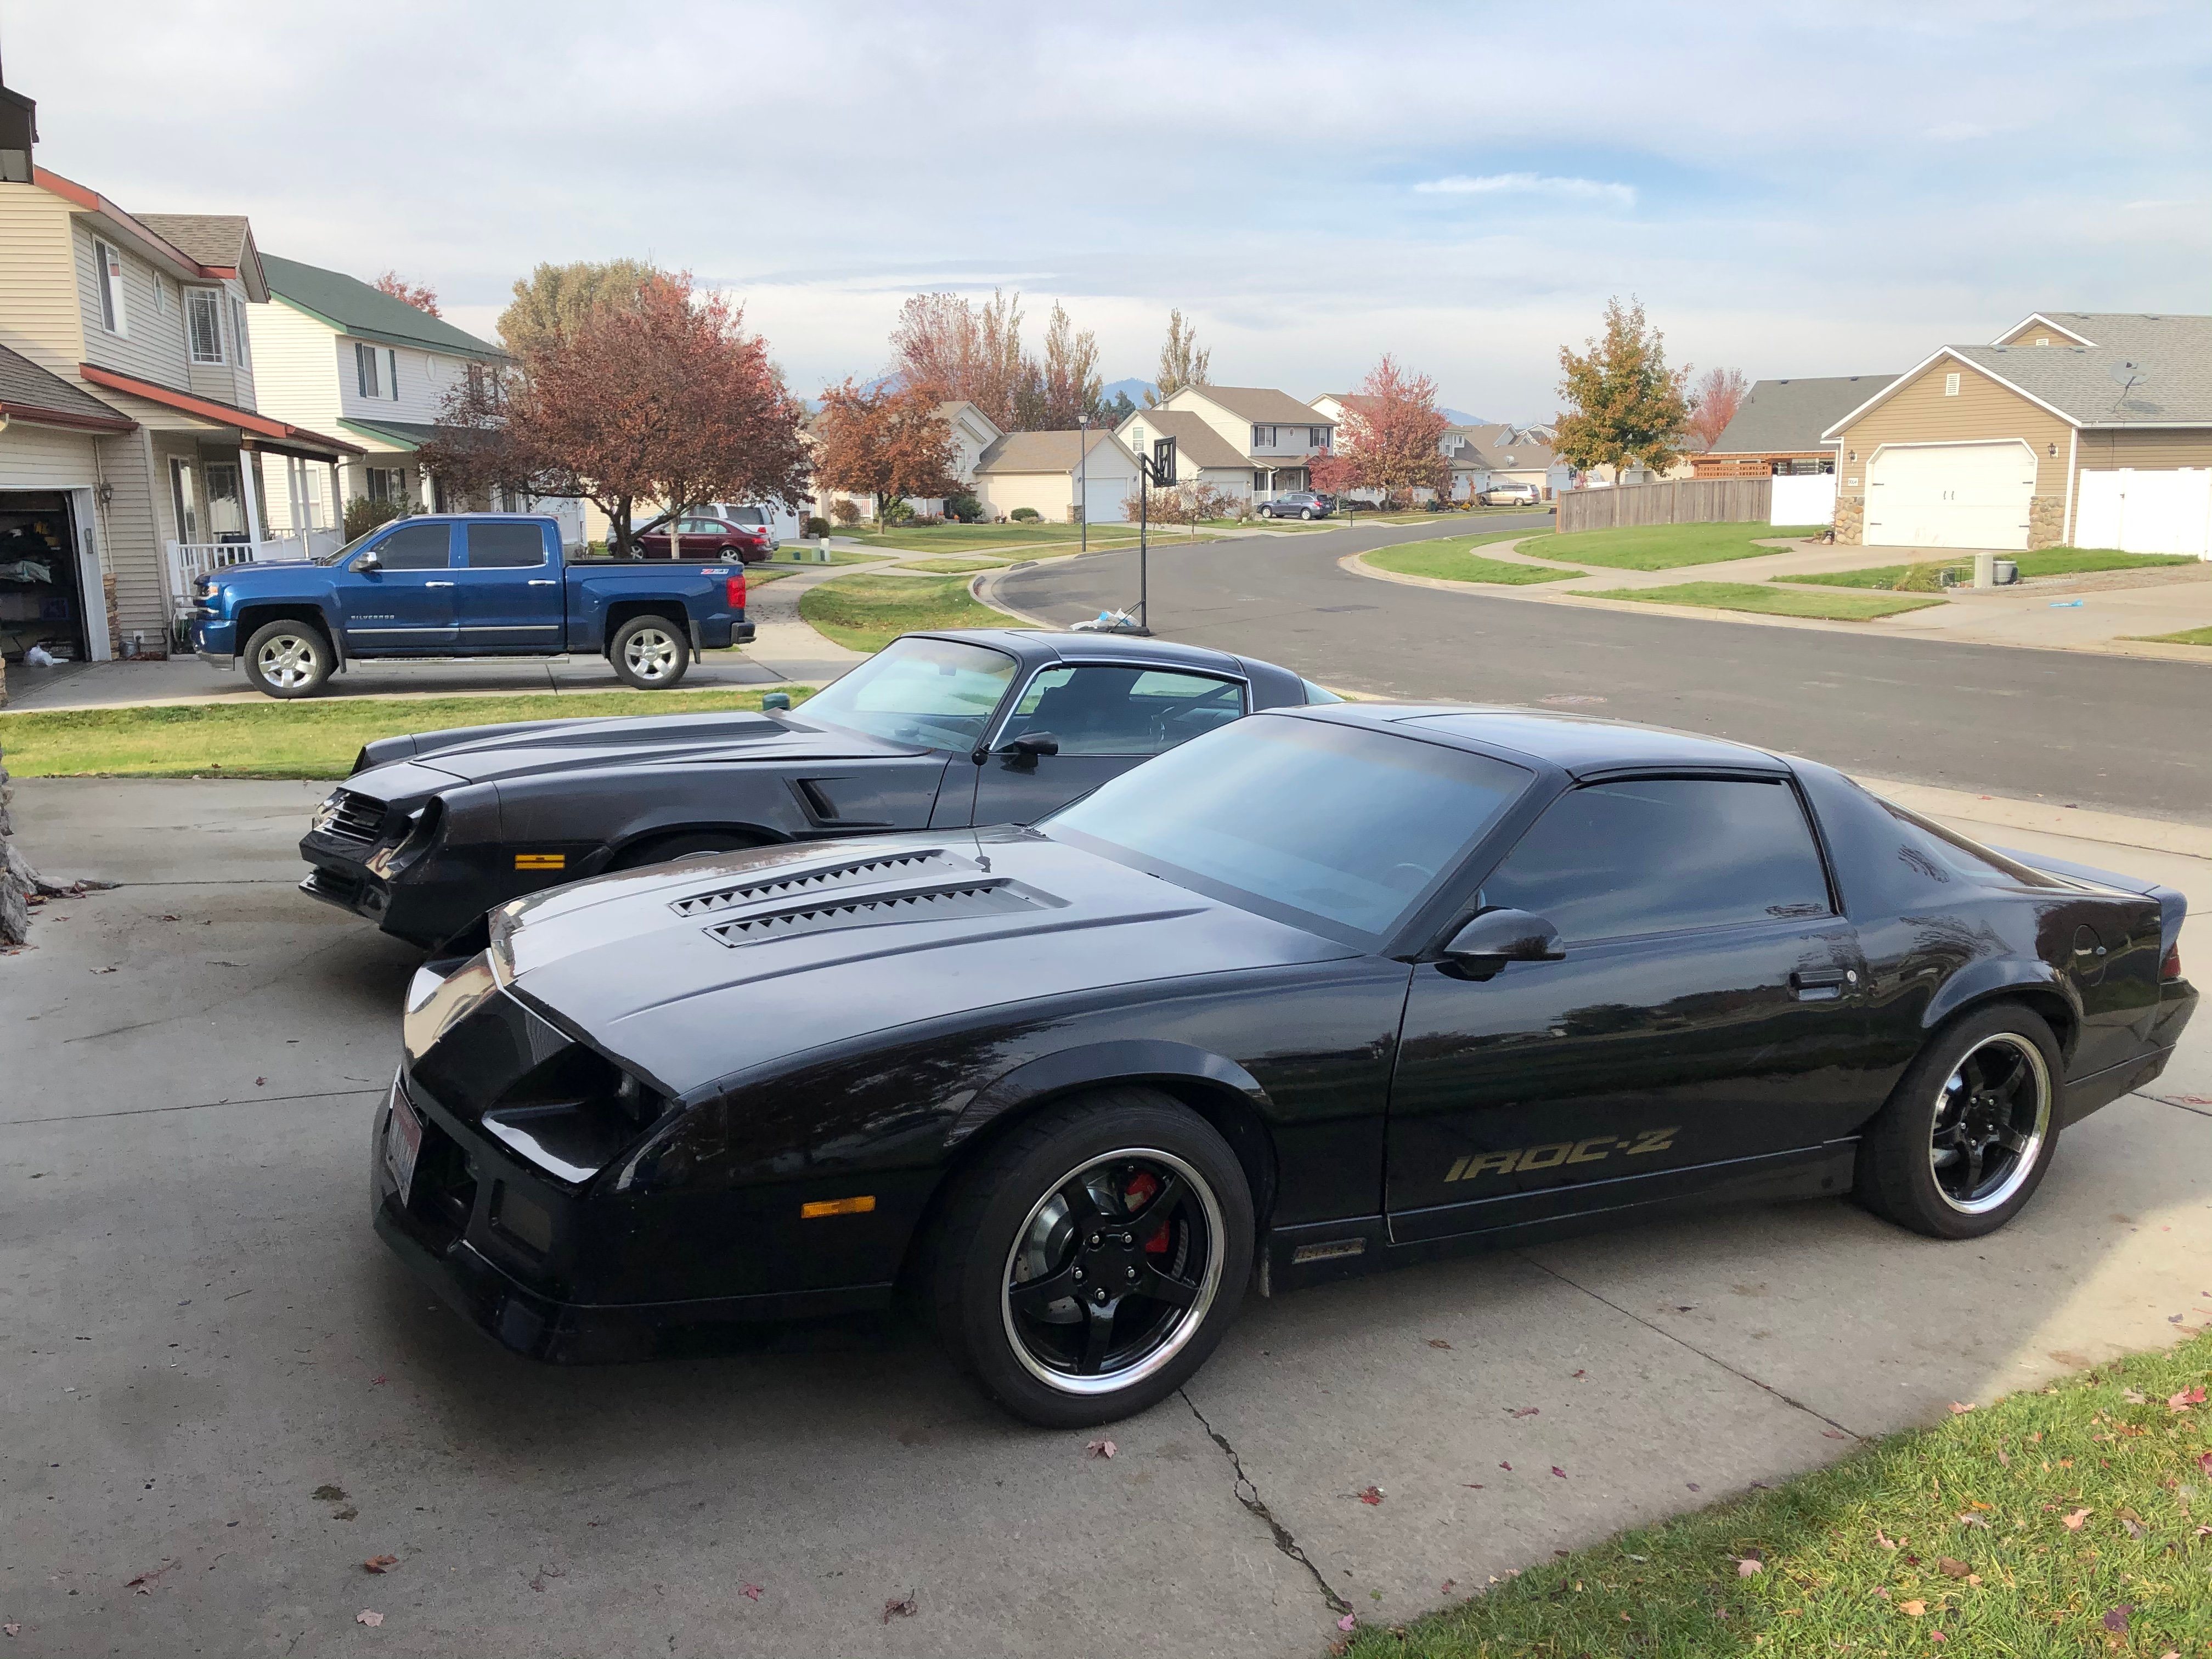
point(887, 444)
point(421, 295)
point(1387, 438)
point(663, 398)
point(1714, 401)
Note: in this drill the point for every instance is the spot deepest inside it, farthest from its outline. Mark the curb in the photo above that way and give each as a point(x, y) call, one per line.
point(2043, 818)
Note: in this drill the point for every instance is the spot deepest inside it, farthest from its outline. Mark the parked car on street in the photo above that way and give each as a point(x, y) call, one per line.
point(703, 535)
point(986, 726)
point(1298, 504)
point(463, 584)
point(1511, 494)
point(1325, 990)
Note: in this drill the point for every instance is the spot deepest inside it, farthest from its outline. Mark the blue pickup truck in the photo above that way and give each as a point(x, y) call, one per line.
point(464, 584)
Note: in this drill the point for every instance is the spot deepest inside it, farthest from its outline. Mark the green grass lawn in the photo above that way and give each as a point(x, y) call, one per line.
point(1927, 578)
point(867, 612)
point(2063, 1521)
point(2187, 636)
point(954, 567)
point(1769, 601)
point(306, 739)
point(1664, 546)
point(1453, 560)
point(979, 538)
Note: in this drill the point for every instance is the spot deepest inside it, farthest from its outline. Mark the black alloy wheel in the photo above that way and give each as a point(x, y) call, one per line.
point(1971, 1127)
point(1088, 1264)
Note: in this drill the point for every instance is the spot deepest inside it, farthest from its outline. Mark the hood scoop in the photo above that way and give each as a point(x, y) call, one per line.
point(857, 872)
point(946, 901)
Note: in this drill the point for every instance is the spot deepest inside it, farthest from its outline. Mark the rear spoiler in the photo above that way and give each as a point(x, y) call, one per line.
point(2172, 907)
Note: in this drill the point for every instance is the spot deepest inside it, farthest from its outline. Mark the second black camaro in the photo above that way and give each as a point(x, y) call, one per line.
point(1318, 993)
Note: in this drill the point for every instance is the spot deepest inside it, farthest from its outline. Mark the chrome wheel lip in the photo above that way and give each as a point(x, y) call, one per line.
point(287, 661)
point(650, 653)
point(1184, 1328)
point(2024, 1160)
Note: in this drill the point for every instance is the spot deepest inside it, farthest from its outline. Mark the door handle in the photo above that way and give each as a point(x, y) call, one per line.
point(437, 584)
point(1819, 984)
point(537, 582)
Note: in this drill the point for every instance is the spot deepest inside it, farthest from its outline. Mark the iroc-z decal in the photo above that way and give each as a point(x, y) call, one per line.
point(1551, 1155)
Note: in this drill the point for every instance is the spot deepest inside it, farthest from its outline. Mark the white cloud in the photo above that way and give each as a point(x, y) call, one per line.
point(1530, 184)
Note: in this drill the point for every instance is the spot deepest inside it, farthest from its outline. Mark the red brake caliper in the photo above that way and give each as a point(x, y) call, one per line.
point(1142, 1186)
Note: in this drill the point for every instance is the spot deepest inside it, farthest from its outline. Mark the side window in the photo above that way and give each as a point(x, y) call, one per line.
point(416, 547)
point(1663, 855)
point(1123, 711)
point(506, 546)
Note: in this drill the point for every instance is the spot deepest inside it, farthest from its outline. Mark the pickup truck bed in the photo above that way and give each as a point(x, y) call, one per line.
point(464, 586)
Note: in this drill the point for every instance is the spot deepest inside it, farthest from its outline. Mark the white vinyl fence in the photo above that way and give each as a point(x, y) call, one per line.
point(1803, 498)
point(2139, 512)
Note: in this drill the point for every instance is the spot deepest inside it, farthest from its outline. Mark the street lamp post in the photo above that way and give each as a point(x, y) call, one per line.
point(1083, 475)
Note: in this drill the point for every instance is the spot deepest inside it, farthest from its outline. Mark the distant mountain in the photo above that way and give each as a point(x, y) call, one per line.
point(1135, 387)
point(1460, 417)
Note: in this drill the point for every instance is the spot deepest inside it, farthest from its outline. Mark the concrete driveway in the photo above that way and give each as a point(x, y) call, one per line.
point(219, 1385)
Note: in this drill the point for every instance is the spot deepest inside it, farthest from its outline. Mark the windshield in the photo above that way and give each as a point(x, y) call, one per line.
point(1341, 829)
point(332, 558)
point(939, 694)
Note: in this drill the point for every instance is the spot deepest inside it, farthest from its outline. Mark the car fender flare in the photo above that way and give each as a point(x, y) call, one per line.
point(655, 829)
point(1130, 1059)
point(1988, 982)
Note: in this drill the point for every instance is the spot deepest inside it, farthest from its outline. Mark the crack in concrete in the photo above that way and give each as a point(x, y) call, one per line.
point(1786, 1400)
point(1249, 1496)
point(193, 1106)
point(2183, 1105)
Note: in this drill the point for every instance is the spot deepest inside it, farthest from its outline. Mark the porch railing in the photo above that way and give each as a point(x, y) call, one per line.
point(190, 561)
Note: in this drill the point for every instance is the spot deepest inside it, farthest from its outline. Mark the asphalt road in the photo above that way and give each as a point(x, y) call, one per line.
point(223, 1395)
point(2119, 732)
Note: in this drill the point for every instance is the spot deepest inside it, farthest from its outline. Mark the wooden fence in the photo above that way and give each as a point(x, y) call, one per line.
point(1677, 500)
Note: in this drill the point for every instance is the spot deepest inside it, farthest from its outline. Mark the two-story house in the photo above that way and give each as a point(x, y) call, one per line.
point(339, 354)
point(1248, 441)
point(128, 423)
point(972, 431)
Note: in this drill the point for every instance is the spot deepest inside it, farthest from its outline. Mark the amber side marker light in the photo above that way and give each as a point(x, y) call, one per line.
point(822, 1206)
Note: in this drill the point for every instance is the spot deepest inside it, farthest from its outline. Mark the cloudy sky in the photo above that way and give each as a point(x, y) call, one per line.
point(1790, 189)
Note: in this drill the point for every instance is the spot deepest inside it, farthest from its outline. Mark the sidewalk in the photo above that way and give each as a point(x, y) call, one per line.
point(2093, 612)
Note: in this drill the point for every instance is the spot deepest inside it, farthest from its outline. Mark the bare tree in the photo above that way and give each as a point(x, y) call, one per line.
point(1182, 362)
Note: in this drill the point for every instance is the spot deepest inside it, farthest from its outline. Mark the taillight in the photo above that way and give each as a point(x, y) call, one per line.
point(2171, 968)
point(736, 592)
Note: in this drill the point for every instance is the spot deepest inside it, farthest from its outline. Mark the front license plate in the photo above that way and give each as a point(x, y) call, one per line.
point(402, 1143)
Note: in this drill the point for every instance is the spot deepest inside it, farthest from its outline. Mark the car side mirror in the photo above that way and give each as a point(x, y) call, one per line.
point(775, 700)
point(1024, 750)
point(1489, 941)
point(368, 560)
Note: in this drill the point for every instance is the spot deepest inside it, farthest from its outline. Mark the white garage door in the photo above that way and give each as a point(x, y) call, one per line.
point(1106, 495)
point(1950, 496)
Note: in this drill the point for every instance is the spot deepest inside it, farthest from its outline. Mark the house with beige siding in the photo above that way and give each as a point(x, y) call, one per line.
point(132, 444)
point(1252, 443)
point(972, 431)
point(1067, 477)
point(2082, 429)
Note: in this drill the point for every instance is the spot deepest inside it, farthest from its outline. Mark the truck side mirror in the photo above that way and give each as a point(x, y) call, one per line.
point(1488, 942)
point(1024, 750)
point(368, 560)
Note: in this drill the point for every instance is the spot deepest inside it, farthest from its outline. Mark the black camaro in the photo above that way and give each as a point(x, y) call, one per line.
point(1317, 992)
point(936, 730)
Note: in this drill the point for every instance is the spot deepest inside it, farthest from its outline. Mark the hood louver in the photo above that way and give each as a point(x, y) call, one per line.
point(942, 902)
point(930, 861)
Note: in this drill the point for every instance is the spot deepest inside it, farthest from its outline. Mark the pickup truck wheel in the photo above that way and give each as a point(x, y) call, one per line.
point(287, 659)
point(649, 652)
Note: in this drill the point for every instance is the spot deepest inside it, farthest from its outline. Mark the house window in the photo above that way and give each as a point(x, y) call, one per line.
point(1950, 386)
point(238, 331)
point(1263, 437)
point(226, 510)
point(112, 315)
point(376, 369)
point(1317, 438)
point(387, 484)
point(203, 306)
point(180, 491)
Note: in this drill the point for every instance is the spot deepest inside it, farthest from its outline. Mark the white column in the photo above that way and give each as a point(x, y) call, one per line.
point(249, 492)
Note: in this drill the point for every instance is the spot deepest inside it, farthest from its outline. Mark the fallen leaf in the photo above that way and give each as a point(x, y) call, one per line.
point(1937, 1636)
point(1346, 1622)
point(381, 1563)
point(1951, 1568)
point(2204, 1462)
point(1972, 1521)
point(1957, 1408)
point(2185, 1399)
point(261, 1083)
point(145, 1582)
point(1835, 1434)
point(1100, 1449)
point(1913, 1609)
point(1749, 1565)
point(1693, 1485)
point(2133, 1524)
point(348, 1513)
point(1882, 1590)
point(12, 1630)
point(2117, 1619)
point(1525, 1410)
point(2133, 1396)
point(365, 1617)
point(2003, 1462)
point(1508, 1468)
point(1884, 1539)
point(1472, 1485)
point(2072, 1523)
point(1438, 1342)
point(1974, 1578)
point(903, 1607)
point(750, 1592)
point(1445, 1589)
point(330, 1494)
point(1579, 1376)
point(1370, 1495)
point(1557, 1470)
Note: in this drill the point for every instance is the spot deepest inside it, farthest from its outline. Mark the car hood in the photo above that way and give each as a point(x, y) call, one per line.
point(496, 753)
point(697, 970)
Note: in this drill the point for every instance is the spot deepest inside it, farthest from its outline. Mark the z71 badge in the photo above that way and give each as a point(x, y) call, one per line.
point(1551, 1155)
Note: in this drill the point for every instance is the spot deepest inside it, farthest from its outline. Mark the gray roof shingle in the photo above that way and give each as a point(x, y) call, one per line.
point(25, 386)
point(2175, 390)
point(1787, 418)
point(213, 239)
point(1196, 442)
point(1260, 402)
point(1041, 451)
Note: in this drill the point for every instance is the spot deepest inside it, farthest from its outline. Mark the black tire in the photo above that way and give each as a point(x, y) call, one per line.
point(639, 855)
point(650, 652)
point(1923, 1162)
point(287, 659)
point(1203, 1251)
